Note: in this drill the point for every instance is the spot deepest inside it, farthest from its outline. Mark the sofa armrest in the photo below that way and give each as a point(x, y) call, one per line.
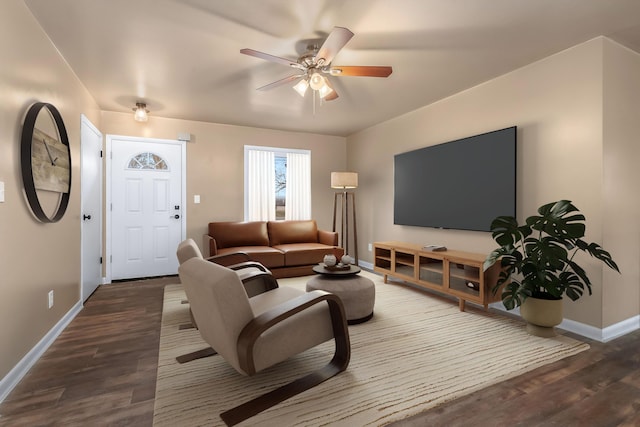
point(208, 246)
point(328, 237)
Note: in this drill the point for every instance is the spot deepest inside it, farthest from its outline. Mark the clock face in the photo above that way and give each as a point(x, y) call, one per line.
point(49, 163)
point(46, 161)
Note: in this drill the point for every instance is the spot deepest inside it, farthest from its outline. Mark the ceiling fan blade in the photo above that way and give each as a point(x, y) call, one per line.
point(360, 70)
point(281, 82)
point(271, 58)
point(338, 37)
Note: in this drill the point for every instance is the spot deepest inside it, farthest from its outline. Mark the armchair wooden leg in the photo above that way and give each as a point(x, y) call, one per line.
point(205, 352)
point(338, 363)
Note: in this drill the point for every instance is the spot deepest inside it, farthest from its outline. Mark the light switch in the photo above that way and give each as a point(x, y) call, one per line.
point(196, 198)
point(1, 192)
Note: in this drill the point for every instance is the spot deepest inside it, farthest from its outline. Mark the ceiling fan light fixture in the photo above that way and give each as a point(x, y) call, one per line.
point(301, 87)
point(324, 91)
point(317, 81)
point(141, 114)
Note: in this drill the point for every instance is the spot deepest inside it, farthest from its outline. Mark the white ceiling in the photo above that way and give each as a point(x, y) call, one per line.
point(182, 56)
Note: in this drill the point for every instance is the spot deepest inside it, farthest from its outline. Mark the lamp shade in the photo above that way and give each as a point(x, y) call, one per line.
point(344, 180)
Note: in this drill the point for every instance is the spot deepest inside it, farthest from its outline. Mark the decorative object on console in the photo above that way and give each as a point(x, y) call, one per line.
point(45, 160)
point(344, 181)
point(538, 264)
point(434, 248)
point(141, 114)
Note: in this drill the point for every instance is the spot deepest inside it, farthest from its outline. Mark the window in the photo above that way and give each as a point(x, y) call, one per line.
point(277, 183)
point(147, 161)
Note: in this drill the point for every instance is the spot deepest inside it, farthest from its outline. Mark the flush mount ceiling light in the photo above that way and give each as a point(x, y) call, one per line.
point(314, 66)
point(141, 114)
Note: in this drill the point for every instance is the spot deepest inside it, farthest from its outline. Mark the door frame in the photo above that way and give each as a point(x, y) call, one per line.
point(108, 205)
point(84, 121)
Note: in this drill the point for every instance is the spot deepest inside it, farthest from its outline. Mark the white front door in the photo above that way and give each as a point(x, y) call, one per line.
point(91, 195)
point(147, 221)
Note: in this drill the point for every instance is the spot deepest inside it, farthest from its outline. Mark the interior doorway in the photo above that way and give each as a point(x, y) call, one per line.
point(91, 201)
point(146, 195)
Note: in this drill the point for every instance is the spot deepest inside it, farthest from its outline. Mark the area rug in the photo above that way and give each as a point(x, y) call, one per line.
point(418, 351)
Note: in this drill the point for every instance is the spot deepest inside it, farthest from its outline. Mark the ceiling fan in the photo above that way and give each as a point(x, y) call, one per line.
point(313, 67)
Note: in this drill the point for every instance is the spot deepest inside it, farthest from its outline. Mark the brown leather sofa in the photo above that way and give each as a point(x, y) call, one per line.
point(287, 248)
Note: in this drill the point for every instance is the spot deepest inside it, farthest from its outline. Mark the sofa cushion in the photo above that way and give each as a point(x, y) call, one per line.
point(231, 234)
point(265, 255)
point(283, 232)
point(306, 253)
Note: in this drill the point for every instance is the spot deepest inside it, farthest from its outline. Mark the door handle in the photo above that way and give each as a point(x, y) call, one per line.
point(86, 217)
point(176, 216)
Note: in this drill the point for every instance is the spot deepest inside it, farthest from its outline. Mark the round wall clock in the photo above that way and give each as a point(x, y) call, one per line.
point(45, 160)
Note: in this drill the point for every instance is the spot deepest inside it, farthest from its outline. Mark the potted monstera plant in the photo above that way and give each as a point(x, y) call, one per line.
point(538, 263)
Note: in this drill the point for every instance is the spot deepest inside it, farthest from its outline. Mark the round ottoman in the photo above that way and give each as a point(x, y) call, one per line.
point(358, 294)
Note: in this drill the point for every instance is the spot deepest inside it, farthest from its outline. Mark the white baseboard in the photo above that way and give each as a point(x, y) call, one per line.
point(603, 335)
point(621, 328)
point(366, 265)
point(582, 329)
point(14, 376)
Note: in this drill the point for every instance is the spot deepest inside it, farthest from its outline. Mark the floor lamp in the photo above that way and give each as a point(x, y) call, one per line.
point(345, 181)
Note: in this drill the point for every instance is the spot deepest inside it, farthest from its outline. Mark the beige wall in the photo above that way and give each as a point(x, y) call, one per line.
point(621, 214)
point(35, 258)
point(215, 168)
point(557, 104)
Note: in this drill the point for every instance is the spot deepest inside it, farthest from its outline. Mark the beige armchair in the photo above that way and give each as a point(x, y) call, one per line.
point(252, 334)
point(255, 277)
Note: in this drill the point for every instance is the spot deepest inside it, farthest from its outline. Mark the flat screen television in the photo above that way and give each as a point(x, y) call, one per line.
point(462, 184)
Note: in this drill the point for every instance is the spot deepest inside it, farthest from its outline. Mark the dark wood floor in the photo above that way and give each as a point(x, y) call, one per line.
point(102, 370)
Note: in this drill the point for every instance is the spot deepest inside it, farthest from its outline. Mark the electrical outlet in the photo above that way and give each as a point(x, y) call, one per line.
point(370, 246)
point(50, 299)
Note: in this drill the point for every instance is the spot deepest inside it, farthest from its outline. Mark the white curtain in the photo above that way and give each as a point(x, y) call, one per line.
point(298, 197)
point(261, 186)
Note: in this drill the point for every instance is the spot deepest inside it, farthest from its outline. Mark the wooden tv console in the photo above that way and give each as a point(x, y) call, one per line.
point(451, 272)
